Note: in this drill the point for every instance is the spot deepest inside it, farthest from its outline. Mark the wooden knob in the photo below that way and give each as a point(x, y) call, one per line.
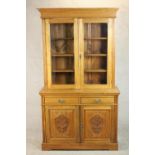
point(97, 100)
point(61, 100)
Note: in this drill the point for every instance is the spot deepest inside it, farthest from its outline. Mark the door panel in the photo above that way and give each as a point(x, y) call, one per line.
point(95, 48)
point(62, 123)
point(62, 51)
point(96, 124)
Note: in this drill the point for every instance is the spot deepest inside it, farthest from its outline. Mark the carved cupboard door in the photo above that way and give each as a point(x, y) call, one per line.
point(62, 124)
point(96, 124)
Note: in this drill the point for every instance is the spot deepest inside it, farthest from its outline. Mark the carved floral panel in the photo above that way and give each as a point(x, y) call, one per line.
point(96, 123)
point(61, 123)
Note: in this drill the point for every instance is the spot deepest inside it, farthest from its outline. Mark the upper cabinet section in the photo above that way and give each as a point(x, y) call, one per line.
point(78, 48)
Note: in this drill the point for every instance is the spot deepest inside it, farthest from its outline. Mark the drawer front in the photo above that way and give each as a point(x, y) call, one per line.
point(97, 100)
point(61, 100)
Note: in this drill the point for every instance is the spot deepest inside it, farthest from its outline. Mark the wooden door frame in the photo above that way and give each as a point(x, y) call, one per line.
point(111, 56)
point(47, 54)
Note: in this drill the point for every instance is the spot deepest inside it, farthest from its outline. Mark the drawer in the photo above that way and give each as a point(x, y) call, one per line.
point(61, 100)
point(97, 100)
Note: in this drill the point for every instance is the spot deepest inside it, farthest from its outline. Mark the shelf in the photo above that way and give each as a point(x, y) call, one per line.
point(57, 39)
point(95, 55)
point(95, 70)
point(63, 55)
point(62, 71)
point(96, 38)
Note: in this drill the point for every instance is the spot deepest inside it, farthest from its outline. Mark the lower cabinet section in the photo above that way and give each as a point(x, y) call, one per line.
point(80, 126)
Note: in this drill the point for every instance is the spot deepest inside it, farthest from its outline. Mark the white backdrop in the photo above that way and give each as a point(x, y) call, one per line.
point(35, 71)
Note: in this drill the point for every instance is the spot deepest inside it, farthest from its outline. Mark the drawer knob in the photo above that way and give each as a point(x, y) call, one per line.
point(97, 100)
point(61, 100)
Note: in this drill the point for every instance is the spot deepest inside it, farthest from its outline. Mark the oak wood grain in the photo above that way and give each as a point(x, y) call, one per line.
point(79, 99)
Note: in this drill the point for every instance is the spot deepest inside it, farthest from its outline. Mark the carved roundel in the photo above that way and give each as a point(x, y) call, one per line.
point(96, 123)
point(61, 123)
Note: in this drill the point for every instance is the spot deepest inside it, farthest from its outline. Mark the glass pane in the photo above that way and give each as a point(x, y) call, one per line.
point(95, 52)
point(62, 52)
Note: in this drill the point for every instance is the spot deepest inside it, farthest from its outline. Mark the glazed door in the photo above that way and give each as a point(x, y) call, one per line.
point(96, 52)
point(62, 53)
point(62, 124)
point(96, 124)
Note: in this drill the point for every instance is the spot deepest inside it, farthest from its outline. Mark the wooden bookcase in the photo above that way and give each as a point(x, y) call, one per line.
point(79, 97)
